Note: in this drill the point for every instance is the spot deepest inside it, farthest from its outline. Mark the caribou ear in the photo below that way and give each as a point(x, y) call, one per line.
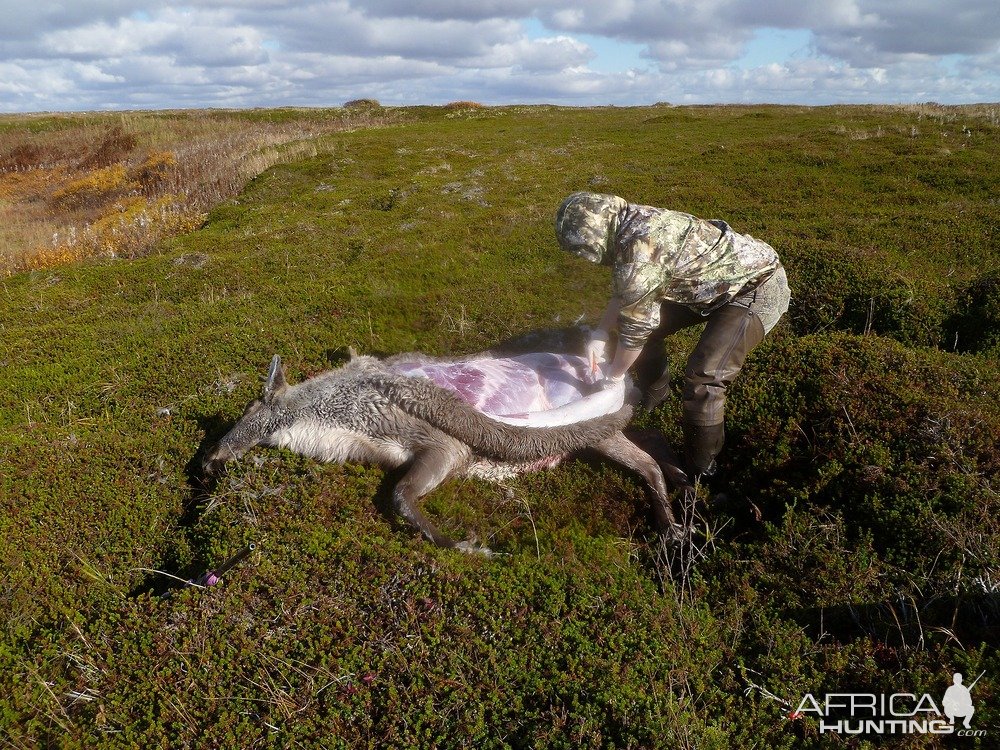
point(275, 379)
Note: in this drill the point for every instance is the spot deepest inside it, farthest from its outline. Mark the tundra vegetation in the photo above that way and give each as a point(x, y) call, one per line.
point(858, 549)
point(78, 186)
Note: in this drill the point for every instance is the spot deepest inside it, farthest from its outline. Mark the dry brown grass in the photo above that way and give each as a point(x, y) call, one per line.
point(940, 113)
point(78, 186)
point(463, 105)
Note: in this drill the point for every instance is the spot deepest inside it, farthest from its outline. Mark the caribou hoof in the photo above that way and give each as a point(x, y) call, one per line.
point(674, 533)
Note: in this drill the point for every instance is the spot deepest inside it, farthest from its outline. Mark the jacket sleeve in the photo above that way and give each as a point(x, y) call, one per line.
point(635, 286)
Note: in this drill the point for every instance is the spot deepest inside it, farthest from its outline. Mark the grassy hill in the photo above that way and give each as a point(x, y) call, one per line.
point(859, 550)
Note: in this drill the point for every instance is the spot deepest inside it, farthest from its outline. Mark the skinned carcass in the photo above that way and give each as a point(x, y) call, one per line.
point(492, 415)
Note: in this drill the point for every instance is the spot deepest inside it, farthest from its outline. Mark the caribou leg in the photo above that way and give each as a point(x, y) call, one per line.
point(619, 448)
point(430, 468)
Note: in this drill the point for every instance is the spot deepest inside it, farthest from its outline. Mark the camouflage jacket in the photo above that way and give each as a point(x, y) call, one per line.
point(659, 255)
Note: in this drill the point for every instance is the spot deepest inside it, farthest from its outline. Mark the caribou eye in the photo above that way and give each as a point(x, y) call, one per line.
point(253, 407)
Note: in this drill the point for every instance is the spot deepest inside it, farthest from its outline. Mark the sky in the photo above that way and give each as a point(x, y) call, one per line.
point(72, 55)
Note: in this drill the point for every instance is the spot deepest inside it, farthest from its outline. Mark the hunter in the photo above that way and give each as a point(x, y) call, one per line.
point(671, 270)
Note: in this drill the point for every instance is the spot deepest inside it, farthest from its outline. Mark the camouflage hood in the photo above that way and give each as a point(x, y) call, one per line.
point(587, 223)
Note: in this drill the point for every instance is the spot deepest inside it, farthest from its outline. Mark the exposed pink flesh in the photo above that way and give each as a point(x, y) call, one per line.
point(514, 388)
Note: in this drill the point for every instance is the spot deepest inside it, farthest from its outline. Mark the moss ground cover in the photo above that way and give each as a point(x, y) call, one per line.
point(855, 549)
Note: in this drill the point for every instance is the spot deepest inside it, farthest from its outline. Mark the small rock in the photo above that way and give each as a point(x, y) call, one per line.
point(192, 260)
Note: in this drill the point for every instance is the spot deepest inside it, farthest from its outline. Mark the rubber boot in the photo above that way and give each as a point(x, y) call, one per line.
point(732, 331)
point(651, 366)
point(702, 444)
point(657, 392)
point(652, 369)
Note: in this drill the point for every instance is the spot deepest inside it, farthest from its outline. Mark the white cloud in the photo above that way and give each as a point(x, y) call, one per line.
point(16, 82)
point(340, 27)
point(127, 53)
point(549, 54)
point(912, 31)
point(684, 34)
point(713, 49)
point(23, 19)
point(99, 40)
point(829, 81)
point(94, 74)
point(450, 9)
point(198, 37)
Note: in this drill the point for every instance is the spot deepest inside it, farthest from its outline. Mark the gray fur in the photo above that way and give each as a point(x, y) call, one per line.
point(362, 412)
point(487, 437)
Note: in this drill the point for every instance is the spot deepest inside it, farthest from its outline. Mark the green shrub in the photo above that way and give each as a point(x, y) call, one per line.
point(849, 544)
point(977, 322)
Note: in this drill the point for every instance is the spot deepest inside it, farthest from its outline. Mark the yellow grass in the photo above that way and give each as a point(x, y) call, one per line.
point(78, 186)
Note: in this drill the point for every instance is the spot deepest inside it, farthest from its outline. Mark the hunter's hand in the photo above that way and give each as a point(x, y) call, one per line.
point(607, 382)
point(596, 350)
